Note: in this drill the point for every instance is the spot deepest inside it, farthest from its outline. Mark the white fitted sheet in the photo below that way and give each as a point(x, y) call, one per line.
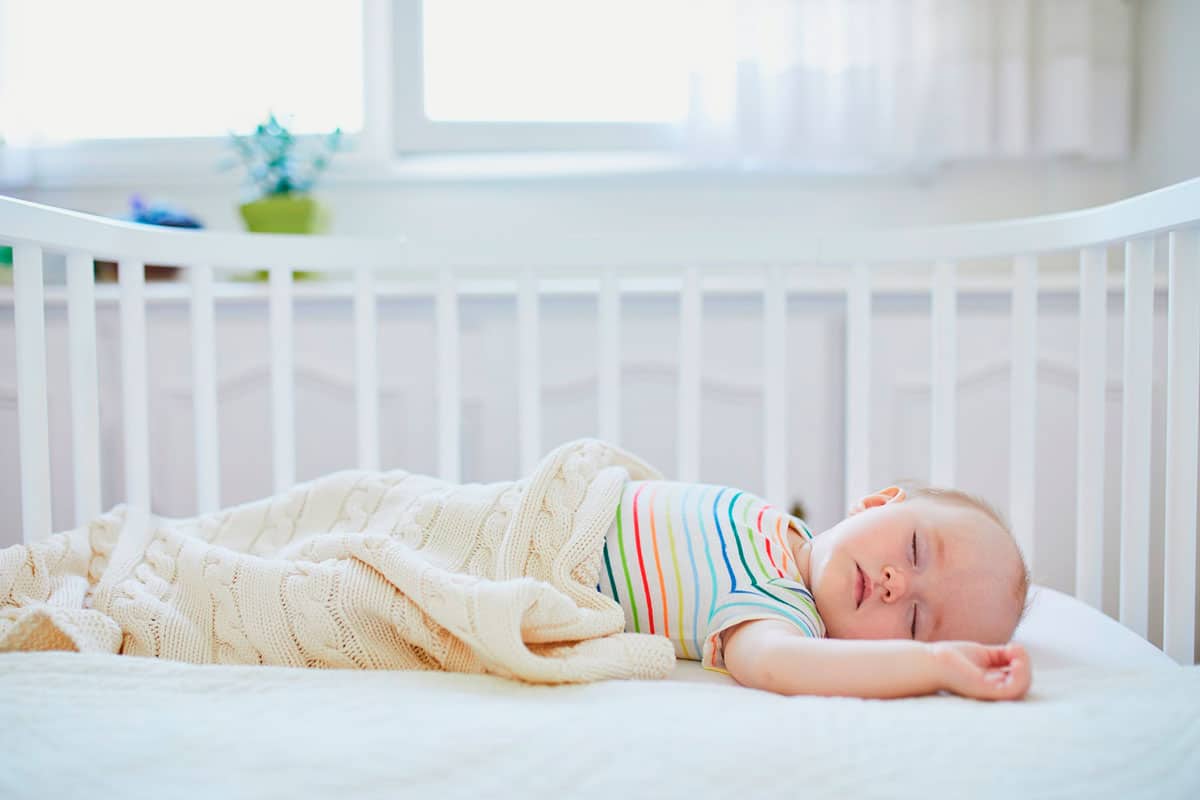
point(99, 725)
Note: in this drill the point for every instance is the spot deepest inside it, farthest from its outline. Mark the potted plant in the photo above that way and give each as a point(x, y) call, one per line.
point(280, 182)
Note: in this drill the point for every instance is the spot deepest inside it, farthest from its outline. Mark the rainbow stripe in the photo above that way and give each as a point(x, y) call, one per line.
point(737, 557)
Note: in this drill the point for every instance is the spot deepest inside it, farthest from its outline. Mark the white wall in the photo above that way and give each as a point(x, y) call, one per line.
point(1167, 103)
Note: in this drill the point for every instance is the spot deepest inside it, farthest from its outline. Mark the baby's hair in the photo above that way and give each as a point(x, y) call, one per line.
point(1021, 589)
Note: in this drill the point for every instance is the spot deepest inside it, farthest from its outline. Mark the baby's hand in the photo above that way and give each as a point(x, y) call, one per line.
point(985, 672)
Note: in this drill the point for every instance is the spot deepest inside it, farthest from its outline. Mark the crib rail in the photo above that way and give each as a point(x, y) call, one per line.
point(771, 265)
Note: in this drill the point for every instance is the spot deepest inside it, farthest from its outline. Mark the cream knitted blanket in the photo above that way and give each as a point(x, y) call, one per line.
point(370, 570)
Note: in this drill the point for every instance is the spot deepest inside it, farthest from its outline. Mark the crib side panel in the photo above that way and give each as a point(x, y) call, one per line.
point(771, 286)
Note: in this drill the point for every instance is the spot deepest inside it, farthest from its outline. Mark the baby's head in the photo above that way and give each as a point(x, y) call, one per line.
point(966, 581)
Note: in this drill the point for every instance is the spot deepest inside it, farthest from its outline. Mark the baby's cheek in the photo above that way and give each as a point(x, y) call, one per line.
point(842, 627)
point(865, 626)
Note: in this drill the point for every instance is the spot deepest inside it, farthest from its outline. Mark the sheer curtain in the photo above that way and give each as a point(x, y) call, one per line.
point(871, 83)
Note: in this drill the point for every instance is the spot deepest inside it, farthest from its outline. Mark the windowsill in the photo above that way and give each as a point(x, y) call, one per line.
point(195, 165)
point(610, 166)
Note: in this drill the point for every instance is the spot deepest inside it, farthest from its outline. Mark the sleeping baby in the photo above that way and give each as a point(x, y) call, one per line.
point(394, 570)
point(933, 579)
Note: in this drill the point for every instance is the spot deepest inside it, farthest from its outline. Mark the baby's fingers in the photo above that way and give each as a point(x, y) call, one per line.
point(1010, 682)
point(1002, 655)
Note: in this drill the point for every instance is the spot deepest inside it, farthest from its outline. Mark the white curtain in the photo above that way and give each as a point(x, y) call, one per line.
point(871, 83)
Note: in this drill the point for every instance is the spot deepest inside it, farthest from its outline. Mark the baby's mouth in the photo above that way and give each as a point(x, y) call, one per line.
point(859, 586)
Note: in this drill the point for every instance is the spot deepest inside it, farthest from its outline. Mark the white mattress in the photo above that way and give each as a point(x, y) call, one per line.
point(1124, 723)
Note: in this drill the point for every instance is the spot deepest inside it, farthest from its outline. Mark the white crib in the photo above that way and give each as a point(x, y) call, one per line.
point(854, 265)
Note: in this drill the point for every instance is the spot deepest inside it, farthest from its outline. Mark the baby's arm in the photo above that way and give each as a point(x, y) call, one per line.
point(773, 655)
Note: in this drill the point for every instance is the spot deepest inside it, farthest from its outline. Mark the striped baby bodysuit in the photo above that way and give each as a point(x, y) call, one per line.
point(687, 561)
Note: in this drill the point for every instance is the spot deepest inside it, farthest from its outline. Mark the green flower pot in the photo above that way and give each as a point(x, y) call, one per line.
point(286, 213)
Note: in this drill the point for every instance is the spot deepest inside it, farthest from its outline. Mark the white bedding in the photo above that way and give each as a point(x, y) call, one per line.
point(97, 725)
point(1060, 631)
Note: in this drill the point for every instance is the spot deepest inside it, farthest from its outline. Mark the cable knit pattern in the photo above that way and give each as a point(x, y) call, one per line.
point(355, 570)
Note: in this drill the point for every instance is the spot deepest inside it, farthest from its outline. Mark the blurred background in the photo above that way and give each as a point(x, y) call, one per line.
point(492, 118)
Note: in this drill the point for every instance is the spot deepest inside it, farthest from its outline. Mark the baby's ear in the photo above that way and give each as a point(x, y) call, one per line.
point(892, 494)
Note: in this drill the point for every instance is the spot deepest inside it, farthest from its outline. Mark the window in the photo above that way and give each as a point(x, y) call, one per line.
point(538, 74)
point(549, 61)
point(152, 88)
point(840, 84)
point(122, 69)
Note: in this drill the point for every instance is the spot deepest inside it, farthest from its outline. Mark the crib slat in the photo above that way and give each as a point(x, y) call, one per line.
point(943, 406)
point(283, 413)
point(85, 409)
point(529, 371)
point(1135, 436)
point(775, 432)
point(609, 314)
point(204, 389)
point(688, 433)
point(366, 368)
point(449, 402)
point(33, 425)
point(1183, 430)
point(132, 278)
point(1089, 481)
point(858, 383)
point(1023, 405)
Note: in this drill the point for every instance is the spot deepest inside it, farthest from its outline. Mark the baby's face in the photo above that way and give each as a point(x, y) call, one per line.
point(958, 585)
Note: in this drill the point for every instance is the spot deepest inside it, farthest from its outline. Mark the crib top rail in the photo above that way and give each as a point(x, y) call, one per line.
point(1172, 207)
point(23, 222)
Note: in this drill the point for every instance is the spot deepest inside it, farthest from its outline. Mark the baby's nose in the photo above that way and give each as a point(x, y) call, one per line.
point(894, 584)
